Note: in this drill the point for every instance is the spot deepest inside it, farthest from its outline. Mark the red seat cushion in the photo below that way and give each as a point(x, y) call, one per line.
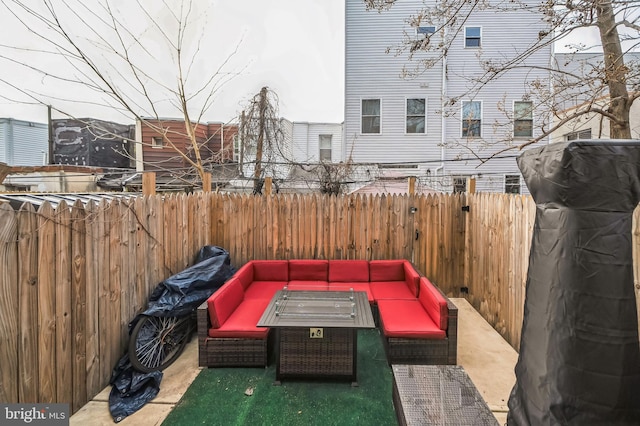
point(270, 270)
point(391, 290)
point(263, 289)
point(348, 271)
point(356, 286)
point(407, 319)
point(434, 303)
point(308, 285)
point(308, 270)
point(242, 322)
point(223, 302)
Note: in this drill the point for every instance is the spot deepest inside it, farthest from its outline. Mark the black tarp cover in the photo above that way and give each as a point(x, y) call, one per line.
point(179, 295)
point(579, 360)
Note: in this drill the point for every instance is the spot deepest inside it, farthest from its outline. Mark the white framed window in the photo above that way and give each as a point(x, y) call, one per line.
point(157, 142)
point(459, 184)
point(472, 36)
point(236, 148)
point(522, 119)
point(324, 142)
point(370, 116)
point(416, 111)
point(512, 184)
point(425, 31)
point(471, 119)
point(580, 134)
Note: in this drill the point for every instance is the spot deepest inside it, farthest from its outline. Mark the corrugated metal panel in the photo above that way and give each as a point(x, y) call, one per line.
point(3, 139)
point(23, 143)
point(37, 199)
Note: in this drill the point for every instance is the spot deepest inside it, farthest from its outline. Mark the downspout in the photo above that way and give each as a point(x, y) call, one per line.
point(443, 96)
point(222, 142)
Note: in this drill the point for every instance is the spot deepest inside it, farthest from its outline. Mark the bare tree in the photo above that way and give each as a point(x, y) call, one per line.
point(262, 136)
point(607, 87)
point(145, 61)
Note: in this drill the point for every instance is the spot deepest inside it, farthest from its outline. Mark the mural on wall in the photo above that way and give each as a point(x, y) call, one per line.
point(91, 142)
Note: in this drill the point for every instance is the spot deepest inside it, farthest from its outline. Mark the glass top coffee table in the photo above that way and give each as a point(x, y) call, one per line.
point(316, 332)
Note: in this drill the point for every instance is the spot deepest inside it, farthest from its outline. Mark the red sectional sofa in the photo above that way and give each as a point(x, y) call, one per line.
point(418, 323)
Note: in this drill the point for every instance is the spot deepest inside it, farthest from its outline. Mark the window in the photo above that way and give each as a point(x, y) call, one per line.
point(522, 119)
point(325, 147)
point(157, 142)
point(236, 148)
point(580, 134)
point(472, 36)
point(471, 118)
point(426, 31)
point(416, 109)
point(512, 184)
point(371, 116)
point(459, 184)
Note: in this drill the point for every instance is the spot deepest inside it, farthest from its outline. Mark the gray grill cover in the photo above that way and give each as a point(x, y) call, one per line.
point(579, 357)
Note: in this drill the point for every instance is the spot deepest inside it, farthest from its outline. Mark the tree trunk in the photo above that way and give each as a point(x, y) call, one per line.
point(615, 75)
point(261, 131)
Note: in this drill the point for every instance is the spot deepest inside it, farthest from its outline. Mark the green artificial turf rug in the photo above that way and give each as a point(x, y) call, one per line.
point(247, 396)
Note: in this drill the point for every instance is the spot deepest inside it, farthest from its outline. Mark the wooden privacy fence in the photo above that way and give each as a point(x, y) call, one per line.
point(73, 277)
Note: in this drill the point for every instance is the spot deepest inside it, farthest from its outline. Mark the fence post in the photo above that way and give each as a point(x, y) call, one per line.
point(268, 183)
point(149, 183)
point(471, 185)
point(206, 182)
point(412, 185)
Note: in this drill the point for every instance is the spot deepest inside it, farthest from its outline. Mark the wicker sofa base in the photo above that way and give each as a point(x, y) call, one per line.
point(417, 351)
point(333, 356)
point(232, 352)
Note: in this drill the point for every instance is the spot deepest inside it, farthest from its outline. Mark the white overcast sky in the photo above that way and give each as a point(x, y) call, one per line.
point(296, 47)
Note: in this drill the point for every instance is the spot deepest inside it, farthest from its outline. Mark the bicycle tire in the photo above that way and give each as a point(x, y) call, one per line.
point(156, 342)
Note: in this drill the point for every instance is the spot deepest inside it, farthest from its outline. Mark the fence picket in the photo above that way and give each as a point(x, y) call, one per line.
point(28, 295)
point(9, 301)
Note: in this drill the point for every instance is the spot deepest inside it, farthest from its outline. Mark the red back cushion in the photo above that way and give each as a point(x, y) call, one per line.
point(348, 270)
point(270, 270)
point(411, 277)
point(245, 275)
point(308, 270)
point(386, 270)
point(434, 303)
point(223, 302)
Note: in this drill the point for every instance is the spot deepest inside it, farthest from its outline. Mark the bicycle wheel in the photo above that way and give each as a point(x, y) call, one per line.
point(156, 342)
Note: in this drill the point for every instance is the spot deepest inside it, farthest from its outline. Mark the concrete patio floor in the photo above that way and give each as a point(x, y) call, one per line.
point(485, 355)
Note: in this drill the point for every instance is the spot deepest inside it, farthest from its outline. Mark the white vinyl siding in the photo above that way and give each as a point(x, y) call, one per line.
point(307, 142)
point(373, 70)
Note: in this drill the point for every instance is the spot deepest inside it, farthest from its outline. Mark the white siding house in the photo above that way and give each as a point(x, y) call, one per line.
point(409, 124)
point(23, 143)
point(314, 142)
point(590, 125)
